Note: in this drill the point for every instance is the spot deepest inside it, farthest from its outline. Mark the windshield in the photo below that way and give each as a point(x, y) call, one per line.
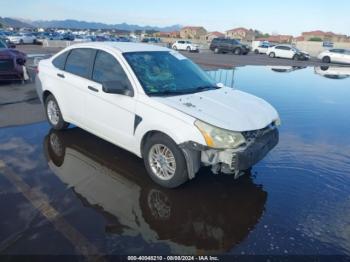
point(168, 73)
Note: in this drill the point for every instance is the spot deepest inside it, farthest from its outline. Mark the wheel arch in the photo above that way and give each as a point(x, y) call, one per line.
point(151, 133)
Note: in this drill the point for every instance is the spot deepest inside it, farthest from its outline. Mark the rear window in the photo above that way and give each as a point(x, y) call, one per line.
point(79, 62)
point(60, 61)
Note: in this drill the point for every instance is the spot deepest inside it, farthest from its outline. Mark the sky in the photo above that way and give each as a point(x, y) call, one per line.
point(269, 16)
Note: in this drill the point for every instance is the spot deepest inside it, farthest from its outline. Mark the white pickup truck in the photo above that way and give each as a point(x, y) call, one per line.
point(157, 104)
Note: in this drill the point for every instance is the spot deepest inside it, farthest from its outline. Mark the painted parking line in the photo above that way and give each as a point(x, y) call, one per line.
point(41, 202)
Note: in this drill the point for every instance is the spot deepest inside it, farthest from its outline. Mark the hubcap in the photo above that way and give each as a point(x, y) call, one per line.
point(53, 112)
point(162, 161)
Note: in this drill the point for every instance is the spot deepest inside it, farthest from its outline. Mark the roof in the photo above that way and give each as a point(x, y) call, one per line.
point(123, 47)
point(216, 33)
point(299, 38)
point(238, 29)
point(193, 27)
point(318, 32)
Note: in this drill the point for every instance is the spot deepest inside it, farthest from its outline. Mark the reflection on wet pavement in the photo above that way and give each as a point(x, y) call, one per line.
point(66, 192)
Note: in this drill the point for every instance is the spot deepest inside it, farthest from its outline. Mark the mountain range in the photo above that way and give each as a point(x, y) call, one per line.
point(75, 24)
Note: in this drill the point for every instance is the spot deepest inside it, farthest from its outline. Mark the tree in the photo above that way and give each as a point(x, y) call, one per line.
point(315, 39)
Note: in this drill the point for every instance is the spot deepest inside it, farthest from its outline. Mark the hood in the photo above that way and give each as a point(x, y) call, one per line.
point(11, 53)
point(225, 108)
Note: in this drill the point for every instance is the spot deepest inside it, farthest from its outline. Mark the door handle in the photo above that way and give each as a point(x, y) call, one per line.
point(93, 88)
point(60, 75)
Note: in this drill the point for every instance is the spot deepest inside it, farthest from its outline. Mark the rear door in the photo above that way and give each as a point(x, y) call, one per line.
point(181, 45)
point(336, 55)
point(110, 115)
point(75, 79)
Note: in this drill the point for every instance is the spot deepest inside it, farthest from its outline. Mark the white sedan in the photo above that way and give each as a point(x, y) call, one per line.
point(157, 104)
point(24, 38)
point(287, 51)
point(185, 45)
point(336, 55)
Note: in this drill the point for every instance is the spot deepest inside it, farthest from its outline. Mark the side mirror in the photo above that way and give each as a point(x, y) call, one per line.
point(117, 87)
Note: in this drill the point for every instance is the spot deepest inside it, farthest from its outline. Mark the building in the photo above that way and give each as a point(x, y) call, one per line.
point(192, 32)
point(298, 39)
point(175, 34)
point(281, 39)
point(319, 35)
point(242, 34)
point(210, 36)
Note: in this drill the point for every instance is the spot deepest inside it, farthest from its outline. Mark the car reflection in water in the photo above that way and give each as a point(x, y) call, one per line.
point(333, 72)
point(209, 215)
point(285, 69)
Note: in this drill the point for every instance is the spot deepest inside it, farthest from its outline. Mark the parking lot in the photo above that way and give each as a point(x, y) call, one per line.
point(206, 58)
point(73, 193)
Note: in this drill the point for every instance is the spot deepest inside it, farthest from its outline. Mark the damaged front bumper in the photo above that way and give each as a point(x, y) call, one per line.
point(230, 161)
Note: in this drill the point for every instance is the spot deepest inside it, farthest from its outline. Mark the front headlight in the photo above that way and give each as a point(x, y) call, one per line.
point(219, 138)
point(278, 122)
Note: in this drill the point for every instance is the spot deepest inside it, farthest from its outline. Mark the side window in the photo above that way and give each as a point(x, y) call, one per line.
point(108, 69)
point(278, 47)
point(60, 61)
point(287, 48)
point(79, 62)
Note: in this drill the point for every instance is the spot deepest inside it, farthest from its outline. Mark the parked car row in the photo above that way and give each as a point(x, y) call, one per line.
point(12, 63)
point(19, 38)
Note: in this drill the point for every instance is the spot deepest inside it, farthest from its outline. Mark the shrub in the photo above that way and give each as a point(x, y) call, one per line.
point(315, 39)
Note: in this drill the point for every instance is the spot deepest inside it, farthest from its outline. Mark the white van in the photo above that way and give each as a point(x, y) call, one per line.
point(157, 104)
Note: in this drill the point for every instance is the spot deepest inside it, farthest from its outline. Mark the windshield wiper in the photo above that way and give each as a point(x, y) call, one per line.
point(204, 88)
point(168, 93)
point(182, 92)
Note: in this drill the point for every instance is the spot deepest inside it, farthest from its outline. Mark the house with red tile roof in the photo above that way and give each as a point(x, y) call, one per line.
point(324, 36)
point(210, 36)
point(281, 39)
point(241, 33)
point(192, 32)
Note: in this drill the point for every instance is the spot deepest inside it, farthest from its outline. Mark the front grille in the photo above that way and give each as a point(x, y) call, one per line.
point(254, 134)
point(6, 64)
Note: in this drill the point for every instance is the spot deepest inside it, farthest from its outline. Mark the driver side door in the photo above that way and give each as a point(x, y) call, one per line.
point(109, 115)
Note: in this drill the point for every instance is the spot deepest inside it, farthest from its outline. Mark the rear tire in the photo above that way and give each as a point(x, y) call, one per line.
point(164, 161)
point(237, 51)
point(53, 114)
point(326, 59)
point(216, 50)
point(174, 47)
point(272, 55)
point(295, 57)
point(256, 51)
point(188, 49)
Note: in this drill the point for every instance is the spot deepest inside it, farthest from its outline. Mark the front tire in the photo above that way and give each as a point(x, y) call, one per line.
point(237, 51)
point(188, 49)
point(53, 114)
point(256, 51)
point(272, 55)
point(295, 57)
point(216, 50)
point(164, 161)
